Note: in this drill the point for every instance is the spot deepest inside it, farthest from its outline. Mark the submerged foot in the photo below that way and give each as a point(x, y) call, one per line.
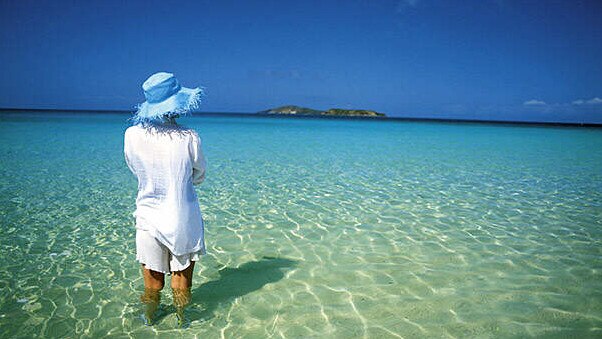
point(151, 298)
point(181, 298)
point(182, 321)
point(146, 321)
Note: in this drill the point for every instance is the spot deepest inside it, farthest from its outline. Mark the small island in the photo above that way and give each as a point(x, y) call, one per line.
point(297, 110)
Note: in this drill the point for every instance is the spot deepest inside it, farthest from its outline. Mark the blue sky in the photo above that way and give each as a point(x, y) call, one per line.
point(481, 59)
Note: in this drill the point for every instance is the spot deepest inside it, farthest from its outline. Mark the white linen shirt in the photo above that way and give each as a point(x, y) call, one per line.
point(168, 161)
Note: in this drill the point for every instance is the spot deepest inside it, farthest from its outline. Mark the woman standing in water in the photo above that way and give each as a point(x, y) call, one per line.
point(168, 160)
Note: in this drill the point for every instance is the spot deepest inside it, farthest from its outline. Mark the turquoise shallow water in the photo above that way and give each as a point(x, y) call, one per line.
point(314, 228)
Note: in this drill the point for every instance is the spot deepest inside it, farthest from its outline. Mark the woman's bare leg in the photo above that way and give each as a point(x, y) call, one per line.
point(153, 284)
point(181, 282)
point(183, 279)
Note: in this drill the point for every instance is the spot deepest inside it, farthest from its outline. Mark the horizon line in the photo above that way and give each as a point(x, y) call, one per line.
point(308, 116)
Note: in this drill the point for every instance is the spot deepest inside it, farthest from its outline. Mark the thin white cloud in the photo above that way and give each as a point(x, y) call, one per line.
point(404, 4)
point(593, 101)
point(534, 103)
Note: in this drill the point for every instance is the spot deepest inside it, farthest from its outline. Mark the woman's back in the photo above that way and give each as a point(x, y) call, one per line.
point(167, 160)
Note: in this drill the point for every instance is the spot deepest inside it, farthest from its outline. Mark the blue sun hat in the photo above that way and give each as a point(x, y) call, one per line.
point(165, 97)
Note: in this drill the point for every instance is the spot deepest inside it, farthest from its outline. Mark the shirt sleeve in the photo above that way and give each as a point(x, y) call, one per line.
point(199, 164)
point(126, 152)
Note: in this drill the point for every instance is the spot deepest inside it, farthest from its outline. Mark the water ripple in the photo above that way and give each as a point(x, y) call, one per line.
point(427, 230)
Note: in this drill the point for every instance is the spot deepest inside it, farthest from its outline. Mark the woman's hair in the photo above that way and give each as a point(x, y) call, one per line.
point(171, 115)
point(154, 127)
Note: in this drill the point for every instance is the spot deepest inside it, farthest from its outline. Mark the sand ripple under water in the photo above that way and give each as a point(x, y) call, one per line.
point(314, 228)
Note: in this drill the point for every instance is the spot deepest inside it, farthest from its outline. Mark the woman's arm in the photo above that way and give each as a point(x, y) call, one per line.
point(126, 152)
point(199, 164)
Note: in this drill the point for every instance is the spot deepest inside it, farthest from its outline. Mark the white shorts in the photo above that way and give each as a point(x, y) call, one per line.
point(156, 257)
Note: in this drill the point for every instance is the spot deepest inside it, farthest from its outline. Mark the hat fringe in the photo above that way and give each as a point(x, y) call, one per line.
point(193, 102)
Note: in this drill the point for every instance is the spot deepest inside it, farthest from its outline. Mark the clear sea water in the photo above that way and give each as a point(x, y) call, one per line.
point(314, 228)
